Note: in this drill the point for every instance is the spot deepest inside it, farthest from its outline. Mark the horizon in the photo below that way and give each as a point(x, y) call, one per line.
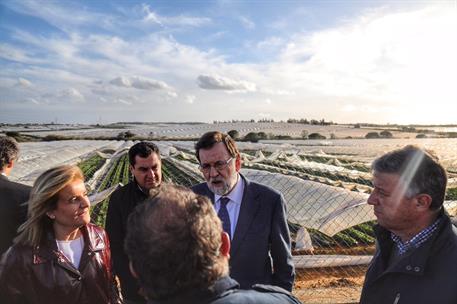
point(102, 62)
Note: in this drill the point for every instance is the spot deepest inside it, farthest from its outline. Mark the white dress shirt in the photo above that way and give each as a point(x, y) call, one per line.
point(233, 206)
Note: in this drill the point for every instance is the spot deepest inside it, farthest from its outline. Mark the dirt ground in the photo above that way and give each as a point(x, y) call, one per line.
point(330, 285)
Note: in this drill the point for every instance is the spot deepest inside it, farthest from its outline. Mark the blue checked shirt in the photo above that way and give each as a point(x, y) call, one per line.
point(417, 240)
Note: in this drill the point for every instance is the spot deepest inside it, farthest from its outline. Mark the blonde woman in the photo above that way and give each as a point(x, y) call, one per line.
point(58, 256)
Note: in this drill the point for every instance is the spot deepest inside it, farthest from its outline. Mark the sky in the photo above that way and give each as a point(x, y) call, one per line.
point(343, 61)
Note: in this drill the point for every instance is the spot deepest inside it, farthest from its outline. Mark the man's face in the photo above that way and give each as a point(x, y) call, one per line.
point(392, 208)
point(221, 181)
point(147, 171)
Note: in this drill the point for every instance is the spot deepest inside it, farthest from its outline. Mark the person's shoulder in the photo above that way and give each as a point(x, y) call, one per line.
point(262, 189)
point(121, 191)
point(15, 186)
point(95, 228)
point(259, 294)
point(199, 188)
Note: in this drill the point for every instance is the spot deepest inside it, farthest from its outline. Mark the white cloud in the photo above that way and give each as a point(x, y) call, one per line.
point(189, 99)
point(71, 93)
point(22, 82)
point(268, 101)
point(222, 83)
point(247, 23)
point(181, 20)
point(271, 42)
point(139, 83)
point(123, 101)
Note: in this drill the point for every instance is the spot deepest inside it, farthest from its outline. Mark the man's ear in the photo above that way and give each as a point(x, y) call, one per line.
point(10, 164)
point(132, 271)
point(225, 246)
point(423, 201)
point(238, 163)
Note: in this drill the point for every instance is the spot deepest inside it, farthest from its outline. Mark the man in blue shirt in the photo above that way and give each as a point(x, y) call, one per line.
point(253, 215)
point(415, 260)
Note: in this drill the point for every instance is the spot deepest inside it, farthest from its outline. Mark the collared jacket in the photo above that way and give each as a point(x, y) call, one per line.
point(12, 210)
point(425, 275)
point(226, 291)
point(121, 204)
point(42, 274)
point(260, 252)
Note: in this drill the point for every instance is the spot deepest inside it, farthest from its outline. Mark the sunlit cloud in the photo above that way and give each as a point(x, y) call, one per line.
point(190, 99)
point(22, 82)
point(247, 23)
point(222, 83)
point(139, 83)
point(180, 20)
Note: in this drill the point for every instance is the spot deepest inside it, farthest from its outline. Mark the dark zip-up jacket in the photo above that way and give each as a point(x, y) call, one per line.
point(42, 274)
point(226, 291)
point(425, 275)
point(121, 204)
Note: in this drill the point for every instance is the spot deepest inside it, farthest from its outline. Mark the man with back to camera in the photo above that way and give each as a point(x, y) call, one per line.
point(180, 253)
point(12, 195)
point(253, 215)
point(416, 254)
point(146, 168)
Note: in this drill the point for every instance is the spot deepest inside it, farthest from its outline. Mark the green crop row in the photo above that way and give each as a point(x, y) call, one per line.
point(91, 165)
point(117, 173)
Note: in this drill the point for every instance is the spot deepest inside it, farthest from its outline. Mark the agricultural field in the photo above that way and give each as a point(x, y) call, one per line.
point(325, 184)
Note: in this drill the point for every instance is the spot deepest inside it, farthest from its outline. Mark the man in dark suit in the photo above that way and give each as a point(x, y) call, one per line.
point(253, 215)
point(12, 195)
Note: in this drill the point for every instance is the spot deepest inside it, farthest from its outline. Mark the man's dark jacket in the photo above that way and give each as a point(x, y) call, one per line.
point(121, 204)
point(12, 212)
point(426, 275)
point(260, 252)
point(226, 291)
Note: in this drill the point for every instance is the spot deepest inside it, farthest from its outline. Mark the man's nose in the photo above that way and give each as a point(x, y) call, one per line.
point(213, 171)
point(372, 199)
point(151, 173)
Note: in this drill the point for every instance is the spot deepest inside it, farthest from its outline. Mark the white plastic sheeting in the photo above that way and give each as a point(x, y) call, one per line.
point(36, 157)
point(317, 261)
point(314, 205)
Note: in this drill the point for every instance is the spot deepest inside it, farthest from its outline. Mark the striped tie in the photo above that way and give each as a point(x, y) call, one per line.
point(224, 215)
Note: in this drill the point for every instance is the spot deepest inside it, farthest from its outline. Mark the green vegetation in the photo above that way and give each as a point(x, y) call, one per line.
point(91, 165)
point(361, 234)
point(316, 136)
point(372, 135)
point(117, 173)
point(234, 134)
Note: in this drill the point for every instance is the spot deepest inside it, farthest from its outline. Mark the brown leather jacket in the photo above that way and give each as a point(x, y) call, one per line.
point(42, 274)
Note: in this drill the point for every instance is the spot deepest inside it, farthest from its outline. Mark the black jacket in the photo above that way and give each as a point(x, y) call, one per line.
point(42, 274)
point(12, 213)
point(121, 204)
point(426, 275)
point(260, 252)
point(226, 291)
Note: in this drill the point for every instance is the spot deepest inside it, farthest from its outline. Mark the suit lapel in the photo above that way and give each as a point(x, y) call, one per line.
point(248, 210)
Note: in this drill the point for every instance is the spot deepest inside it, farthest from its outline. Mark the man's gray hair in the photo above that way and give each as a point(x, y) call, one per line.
point(419, 169)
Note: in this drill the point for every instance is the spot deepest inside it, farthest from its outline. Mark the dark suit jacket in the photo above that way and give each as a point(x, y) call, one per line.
point(260, 252)
point(12, 214)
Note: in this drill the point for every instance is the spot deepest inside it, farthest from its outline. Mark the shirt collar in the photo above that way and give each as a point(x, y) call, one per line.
point(417, 240)
point(236, 195)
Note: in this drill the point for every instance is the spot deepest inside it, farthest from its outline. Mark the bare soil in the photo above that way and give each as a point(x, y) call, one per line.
point(332, 284)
